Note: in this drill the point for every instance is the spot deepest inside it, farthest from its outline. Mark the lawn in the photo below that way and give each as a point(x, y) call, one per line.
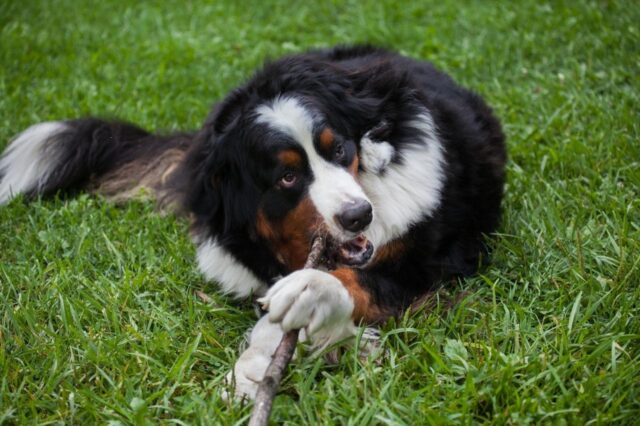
point(98, 319)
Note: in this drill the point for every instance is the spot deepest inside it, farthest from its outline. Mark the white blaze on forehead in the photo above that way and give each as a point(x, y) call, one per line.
point(290, 117)
point(333, 187)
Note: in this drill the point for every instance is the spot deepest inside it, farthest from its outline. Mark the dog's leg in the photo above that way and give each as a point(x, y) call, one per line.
point(321, 304)
point(309, 299)
point(324, 314)
point(314, 301)
point(250, 367)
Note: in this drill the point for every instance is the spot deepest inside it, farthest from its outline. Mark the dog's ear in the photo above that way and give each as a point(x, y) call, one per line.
point(207, 166)
point(200, 195)
point(381, 131)
point(227, 113)
point(219, 188)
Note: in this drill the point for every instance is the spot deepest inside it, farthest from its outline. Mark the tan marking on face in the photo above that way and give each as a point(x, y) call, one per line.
point(264, 228)
point(290, 158)
point(326, 139)
point(364, 307)
point(389, 252)
point(290, 238)
point(353, 167)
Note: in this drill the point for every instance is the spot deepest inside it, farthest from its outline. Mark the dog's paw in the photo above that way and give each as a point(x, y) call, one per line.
point(375, 154)
point(247, 374)
point(312, 300)
point(249, 370)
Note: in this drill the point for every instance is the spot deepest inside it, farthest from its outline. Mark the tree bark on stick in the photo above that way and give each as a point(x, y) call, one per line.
point(282, 356)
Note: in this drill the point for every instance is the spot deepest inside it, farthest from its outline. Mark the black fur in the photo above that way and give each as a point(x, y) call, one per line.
point(358, 89)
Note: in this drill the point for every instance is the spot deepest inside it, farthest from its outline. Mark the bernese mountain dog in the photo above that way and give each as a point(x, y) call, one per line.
point(401, 170)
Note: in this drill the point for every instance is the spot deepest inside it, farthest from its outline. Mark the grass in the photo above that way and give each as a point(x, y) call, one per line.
point(98, 323)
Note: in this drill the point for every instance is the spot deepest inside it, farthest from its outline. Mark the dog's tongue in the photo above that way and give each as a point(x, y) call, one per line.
point(356, 252)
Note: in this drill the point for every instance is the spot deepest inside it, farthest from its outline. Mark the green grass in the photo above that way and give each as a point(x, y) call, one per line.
point(98, 322)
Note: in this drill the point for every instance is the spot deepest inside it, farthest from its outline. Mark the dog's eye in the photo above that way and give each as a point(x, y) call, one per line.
point(288, 180)
point(339, 151)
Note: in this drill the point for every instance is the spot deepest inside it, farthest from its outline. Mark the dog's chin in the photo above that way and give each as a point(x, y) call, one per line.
point(355, 252)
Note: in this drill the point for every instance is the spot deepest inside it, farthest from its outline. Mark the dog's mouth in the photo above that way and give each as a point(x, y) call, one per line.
point(355, 252)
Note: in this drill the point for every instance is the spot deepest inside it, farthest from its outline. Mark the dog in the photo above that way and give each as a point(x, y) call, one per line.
point(400, 168)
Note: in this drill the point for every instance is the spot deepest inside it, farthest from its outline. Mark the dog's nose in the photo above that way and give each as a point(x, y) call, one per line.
point(356, 216)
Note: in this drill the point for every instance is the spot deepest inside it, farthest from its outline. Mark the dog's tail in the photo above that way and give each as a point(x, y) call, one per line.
point(112, 158)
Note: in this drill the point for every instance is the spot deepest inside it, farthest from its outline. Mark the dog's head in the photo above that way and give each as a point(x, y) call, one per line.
point(280, 171)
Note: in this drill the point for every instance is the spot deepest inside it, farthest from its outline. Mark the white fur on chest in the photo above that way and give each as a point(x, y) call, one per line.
point(217, 264)
point(404, 193)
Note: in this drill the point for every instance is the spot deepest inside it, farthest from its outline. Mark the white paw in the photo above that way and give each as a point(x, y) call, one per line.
point(312, 300)
point(375, 156)
point(247, 374)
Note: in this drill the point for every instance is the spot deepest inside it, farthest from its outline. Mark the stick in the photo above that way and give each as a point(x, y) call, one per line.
point(272, 377)
point(203, 296)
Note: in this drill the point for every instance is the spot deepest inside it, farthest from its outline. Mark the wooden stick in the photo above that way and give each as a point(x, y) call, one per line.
point(203, 296)
point(281, 358)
